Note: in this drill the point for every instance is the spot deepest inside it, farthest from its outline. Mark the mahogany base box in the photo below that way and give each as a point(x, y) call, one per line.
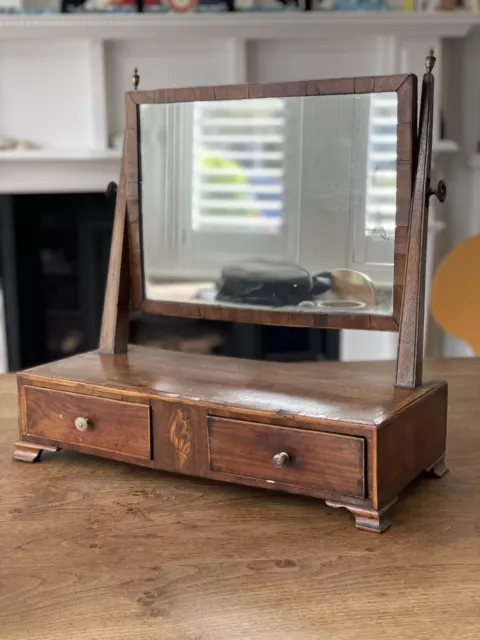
point(351, 439)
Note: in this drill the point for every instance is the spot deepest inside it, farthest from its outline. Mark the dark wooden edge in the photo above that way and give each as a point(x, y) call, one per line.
point(22, 408)
point(132, 162)
point(136, 265)
point(267, 316)
point(407, 142)
point(111, 392)
point(315, 87)
point(115, 321)
point(410, 341)
point(406, 87)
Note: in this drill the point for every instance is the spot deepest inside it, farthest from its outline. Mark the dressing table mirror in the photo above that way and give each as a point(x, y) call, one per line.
point(301, 204)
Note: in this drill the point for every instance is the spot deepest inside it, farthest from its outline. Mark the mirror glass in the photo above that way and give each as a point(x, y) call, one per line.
point(285, 203)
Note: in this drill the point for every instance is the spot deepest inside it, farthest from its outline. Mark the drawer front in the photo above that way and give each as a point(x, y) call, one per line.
point(113, 426)
point(317, 460)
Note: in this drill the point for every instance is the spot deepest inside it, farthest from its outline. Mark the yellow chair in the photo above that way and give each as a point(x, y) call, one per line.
point(455, 301)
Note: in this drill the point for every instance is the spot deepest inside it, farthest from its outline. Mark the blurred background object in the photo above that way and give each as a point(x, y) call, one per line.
point(455, 302)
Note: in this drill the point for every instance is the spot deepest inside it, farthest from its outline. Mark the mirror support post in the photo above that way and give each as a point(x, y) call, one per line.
point(410, 341)
point(115, 320)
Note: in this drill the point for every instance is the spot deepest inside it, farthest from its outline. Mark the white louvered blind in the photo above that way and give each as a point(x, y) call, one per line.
point(382, 170)
point(239, 166)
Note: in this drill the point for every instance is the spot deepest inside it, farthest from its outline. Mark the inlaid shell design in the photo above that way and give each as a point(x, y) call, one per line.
point(180, 437)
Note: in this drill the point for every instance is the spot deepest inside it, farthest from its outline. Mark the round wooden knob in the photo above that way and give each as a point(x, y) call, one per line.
point(81, 424)
point(281, 459)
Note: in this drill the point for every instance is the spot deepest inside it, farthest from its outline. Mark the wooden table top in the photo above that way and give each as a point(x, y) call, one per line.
point(98, 550)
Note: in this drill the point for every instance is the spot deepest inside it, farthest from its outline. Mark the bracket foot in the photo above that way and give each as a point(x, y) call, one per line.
point(31, 452)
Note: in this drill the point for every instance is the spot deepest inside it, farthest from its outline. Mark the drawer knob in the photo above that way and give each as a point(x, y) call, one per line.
point(82, 424)
point(281, 459)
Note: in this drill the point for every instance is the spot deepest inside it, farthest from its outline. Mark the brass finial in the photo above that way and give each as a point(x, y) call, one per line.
point(135, 79)
point(430, 61)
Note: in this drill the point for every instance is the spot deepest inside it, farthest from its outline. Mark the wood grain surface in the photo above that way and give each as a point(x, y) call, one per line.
point(292, 391)
point(410, 339)
point(114, 426)
point(115, 320)
point(92, 549)
point(318, 460)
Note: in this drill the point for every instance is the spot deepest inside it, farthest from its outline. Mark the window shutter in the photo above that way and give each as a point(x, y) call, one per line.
point(239, 166)
point(381, 193)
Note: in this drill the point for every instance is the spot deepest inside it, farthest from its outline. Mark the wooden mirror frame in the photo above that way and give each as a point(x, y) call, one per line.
point(125, 279)
point(405, 88)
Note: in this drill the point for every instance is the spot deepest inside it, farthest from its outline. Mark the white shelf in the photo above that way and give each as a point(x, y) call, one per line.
point(251, 26)
point(80, 170)
point(64, 76)
point(445, 146)
point(60, 155)
point(58, 171)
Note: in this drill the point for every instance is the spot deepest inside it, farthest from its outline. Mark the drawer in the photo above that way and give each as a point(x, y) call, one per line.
point(316, 460)
point(113, 426)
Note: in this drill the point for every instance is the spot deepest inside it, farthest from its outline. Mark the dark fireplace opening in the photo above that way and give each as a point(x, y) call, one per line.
point(54, 251)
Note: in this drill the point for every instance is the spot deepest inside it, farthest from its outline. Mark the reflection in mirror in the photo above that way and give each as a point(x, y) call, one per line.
point(279, 202)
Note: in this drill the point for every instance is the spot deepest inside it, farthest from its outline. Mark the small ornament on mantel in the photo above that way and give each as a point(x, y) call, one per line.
point(7, 143)
point(12, 144)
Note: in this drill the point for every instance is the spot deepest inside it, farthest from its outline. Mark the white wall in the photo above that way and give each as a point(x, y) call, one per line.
point(41, 75)
point(359, 346)
point(280, 60)
point(163, 63)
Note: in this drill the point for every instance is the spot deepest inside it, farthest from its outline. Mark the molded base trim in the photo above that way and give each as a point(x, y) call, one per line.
point(30, 452)
point(438, 468)
point(366, 519)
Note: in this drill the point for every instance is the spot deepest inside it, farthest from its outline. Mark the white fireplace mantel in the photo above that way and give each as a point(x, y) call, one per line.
point(249, 26)
point(64, 76)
